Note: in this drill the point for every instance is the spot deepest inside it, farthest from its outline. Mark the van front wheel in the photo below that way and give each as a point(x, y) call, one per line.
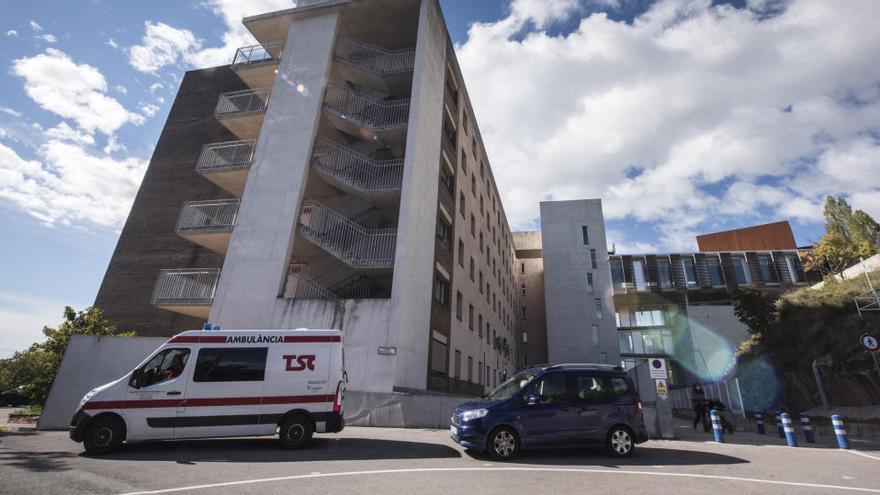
point(104, 435)
point(295, 432)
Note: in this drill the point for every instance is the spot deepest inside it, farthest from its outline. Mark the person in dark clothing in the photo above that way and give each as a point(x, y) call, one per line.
point(699, 398)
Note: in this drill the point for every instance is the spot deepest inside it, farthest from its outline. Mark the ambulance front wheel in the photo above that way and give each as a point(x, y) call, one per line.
point(104, 435)
point(295, 432)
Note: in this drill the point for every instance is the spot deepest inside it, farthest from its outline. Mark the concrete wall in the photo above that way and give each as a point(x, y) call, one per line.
point(89, 362)
point(414, 256)
point(570, 303)
point(259, 250)
point(858, 270)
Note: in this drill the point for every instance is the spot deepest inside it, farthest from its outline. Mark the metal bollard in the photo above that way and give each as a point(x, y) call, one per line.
point(839, 431)
point(779, 425)
point(808, 428)
point(789, 430)
point(717, 429)
point(759, 422)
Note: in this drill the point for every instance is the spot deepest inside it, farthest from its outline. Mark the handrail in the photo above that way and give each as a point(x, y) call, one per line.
point(226, 155)
point(216, 215)
point(355, 169)
point(345, 239)
point(257, 54)
point(369, 111)
point(375, 59)
point(241, 102)
point(187, 286)
point(299, 286)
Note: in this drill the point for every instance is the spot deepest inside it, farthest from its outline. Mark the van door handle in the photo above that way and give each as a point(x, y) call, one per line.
point(173, 392)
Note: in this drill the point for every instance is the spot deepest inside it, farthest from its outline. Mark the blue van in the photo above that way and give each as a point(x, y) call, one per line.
point(560, 405)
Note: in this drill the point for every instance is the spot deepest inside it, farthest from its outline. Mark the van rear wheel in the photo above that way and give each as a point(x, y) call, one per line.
point(104, 435)
point(620, 442)
point(295, 432)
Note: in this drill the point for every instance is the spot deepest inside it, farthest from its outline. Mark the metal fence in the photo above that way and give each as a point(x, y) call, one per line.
point(216, 215)
point(242, 102)
point(347, 240)
point(357, 170)
point(368, 111)
point(728, 392)
point(188, 286)
point(227, 155)
point(374, 58)
point(299, 286)
point(257, 54)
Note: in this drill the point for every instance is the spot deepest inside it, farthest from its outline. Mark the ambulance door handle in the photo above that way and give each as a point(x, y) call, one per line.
point(173, 392)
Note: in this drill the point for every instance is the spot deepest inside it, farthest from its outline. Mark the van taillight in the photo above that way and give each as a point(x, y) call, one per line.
point(639, 403)
point(337, 402)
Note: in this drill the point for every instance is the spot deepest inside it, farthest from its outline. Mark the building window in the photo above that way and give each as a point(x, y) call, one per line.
point(603, 357)
point(585, 234)
point(441, 290)
point(457, 364)
point(480, 322)
point(471, 318)
point(444, 232)
point(639, 275)
point(598, 308)
point(664, 273)
point(480, 372)
point(448, 180)
point(616, 273)
point(463, 161)
point(741, 270)
point(716, 276)
point(595, 335)
point(768, 271)
point(473, 226)
point(690, 273)
point(472, 269)
point(461, 253)
point(487, 375)
point(481, 242)
point(593, 260)
point(461, 205)
point(525, 337)
point(590, 280)
point(474, 185)
point(481, 281)
point(459, 310)
point(439, 357)
point(791, 262)
point(523, 313)
point(522, 289)
point(522, 267)
point(470, 375)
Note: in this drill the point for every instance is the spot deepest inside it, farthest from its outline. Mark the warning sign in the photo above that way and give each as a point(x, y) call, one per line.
point(662, 390)
point(658, 368)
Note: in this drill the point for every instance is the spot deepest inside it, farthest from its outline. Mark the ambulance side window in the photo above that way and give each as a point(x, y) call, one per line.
point(165, 365)
point(243, 364)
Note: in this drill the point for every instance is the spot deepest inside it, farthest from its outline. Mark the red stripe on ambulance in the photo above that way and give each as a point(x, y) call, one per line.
point(209, 402)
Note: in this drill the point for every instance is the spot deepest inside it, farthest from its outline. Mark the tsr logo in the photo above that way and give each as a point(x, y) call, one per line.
point(302, 362)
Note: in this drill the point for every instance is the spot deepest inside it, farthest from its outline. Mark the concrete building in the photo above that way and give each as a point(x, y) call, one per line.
point(332, 176)
point(532, 315)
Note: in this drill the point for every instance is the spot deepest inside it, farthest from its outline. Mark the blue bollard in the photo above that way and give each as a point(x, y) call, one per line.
point(716, 426)
point(789, 430)
point(759, 421)
point(808, 428)
point(839, 431)
point(779, 425)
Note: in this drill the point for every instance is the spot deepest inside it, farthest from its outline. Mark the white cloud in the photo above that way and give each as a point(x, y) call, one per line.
point(3, 133)
point(69, 184)
point(149, 110)
point(10, 111)
point(22, 318)
point(121, 89)
point(156, 87)
point(64, 132)
point(161, 45)
point(36, 26)
point(48, 38)
point(112, 43)
point(73, 91)
point(12, 33)
point(690, 115)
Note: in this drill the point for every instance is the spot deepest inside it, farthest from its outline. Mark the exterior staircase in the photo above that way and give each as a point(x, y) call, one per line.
point(358, 246)
point(356, 172)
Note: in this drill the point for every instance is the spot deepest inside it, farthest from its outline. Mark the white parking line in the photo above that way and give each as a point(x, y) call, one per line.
point(557, 470)
point(856, 452)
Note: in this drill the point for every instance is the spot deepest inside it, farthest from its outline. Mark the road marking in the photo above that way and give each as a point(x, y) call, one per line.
point(497, 469)
point(856, 452)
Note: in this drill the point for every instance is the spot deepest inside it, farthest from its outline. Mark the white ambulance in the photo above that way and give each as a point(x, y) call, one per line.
point(221, 384)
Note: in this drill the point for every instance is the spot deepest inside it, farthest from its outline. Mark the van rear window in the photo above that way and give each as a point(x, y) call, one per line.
point(619, 386)
point(243, 364)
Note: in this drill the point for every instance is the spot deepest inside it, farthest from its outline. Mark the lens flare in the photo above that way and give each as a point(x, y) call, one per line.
point(297, 86)
point(760, 383)
point(703, 352)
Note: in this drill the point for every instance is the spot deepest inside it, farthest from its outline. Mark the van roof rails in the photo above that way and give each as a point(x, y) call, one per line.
point(615, 367)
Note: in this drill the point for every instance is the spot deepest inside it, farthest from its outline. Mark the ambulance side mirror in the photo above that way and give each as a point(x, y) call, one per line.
point(137, 378)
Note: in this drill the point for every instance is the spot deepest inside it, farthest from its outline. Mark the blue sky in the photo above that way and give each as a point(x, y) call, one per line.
point(685, 116)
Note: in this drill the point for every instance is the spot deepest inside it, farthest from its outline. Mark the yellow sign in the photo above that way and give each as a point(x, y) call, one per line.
point(662, 390)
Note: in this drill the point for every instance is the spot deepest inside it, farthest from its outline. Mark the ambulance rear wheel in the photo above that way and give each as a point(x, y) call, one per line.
point(295, 432)
point(104, 435)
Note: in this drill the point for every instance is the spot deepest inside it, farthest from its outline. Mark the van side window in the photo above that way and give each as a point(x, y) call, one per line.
point(619, 386)
point(243, 364)
point(551, 390)
point(163, 366)
point(589, 387)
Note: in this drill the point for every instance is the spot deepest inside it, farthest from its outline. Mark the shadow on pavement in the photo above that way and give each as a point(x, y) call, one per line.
point(268, 450)
point(596, 457)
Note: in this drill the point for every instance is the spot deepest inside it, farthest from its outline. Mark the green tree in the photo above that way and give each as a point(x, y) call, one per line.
point(36, 367)
point(849, 235)
point(754, 310)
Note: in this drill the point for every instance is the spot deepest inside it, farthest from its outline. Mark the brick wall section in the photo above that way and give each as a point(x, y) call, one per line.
point(148, 242)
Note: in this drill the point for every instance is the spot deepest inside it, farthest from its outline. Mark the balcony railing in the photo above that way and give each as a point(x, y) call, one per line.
point(299, 286)
point(355, 169)
point(203, 217)
point(229, 155)
point(242, 102)
point(190, 286)
point(368, 111)
point(375, 59)
point(349, 241)
point(248, 56)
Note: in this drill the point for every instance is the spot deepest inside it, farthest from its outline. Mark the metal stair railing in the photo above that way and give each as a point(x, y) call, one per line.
point(300, 286)
point(201, 217)
point(242, 102)
point(375, 59)
point(358, 171)
point(356, 245)
point(368, 111)
point(356, 286)
point(188, 286)
point(257, 54)
point(228, 155)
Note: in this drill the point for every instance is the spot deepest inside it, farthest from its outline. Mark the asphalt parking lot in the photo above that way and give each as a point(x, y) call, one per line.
point(390, 460)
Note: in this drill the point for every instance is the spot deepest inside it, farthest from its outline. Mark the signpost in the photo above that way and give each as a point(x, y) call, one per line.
point(869, 342)
point(658, 369)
